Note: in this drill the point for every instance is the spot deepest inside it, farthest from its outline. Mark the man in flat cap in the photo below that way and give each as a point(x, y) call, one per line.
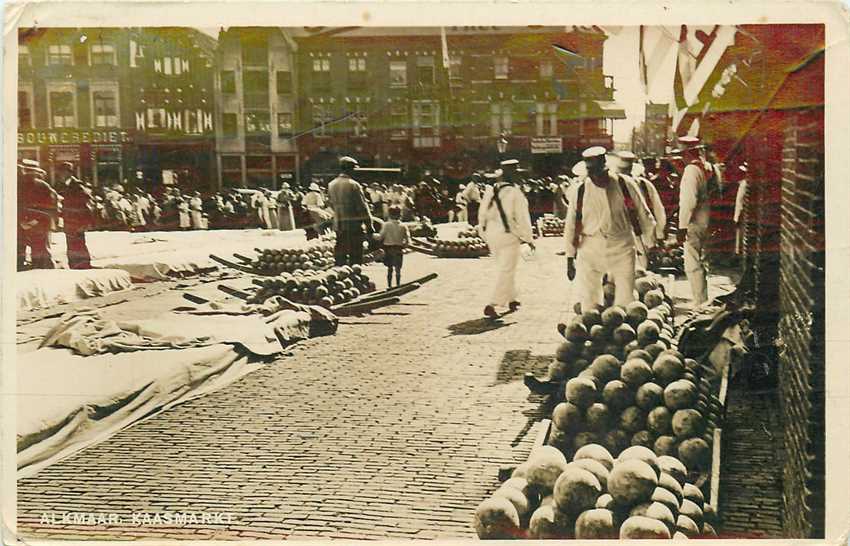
point(606, 215)
point(504, 223)
point(352, 214)
point(694, 213)
point(629, 167)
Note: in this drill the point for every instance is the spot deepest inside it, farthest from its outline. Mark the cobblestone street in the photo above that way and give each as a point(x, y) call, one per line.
point(395, 427)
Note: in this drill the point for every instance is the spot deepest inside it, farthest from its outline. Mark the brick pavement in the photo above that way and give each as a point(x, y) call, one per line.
point(751, 481)
point(395, 427)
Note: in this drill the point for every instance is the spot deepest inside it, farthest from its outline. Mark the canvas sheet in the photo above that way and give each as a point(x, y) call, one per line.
point(40, 288)
point(68, 402)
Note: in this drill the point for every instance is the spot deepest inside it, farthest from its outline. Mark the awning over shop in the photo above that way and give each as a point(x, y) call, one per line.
point(611, 110)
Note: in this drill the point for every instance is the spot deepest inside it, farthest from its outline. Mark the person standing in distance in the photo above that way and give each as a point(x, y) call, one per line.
point(606, 216)
point(472, 198)
point(505, 223)
point(77, 218)
point(694, 212)
point(351, 214)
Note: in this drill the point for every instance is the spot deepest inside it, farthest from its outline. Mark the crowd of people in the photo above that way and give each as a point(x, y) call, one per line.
point(617, 208)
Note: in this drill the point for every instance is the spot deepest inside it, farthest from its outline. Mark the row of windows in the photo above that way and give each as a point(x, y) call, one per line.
point(422, 118)
point(256, 81)
point(62, 109)
point(98, 55)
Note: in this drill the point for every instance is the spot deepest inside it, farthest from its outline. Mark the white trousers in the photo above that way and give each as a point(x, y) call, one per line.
point(599, 255)
point(696, 268)
point(505, 248)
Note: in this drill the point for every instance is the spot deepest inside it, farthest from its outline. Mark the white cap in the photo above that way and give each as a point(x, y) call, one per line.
point(314, 186)
point(638, 169)
point(595, 151)
point(580, 168)
point(509, 162)
point(626, 155)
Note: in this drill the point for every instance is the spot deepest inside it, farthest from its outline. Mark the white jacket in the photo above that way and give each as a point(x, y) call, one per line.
point(515, 206)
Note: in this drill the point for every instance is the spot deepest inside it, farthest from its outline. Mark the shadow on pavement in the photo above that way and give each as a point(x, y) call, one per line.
point(477, 326)
point(516, 363)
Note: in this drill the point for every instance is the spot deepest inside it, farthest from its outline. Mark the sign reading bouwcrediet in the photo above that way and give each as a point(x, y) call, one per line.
point(59, 136)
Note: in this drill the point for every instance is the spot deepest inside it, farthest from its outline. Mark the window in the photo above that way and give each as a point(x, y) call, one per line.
point(500, 68)
point(103, 54)
point(229, 125)
point(501, 118)
point(284, 124)
point(357, 72)
point(454, 68)
point(398, 74)
point(321, 73)
point(62, 109)
point(59, 55)
point(105, 108)
point(547, 119)
point(546, 70)
point(425, 70)
point(399, 121)
point(228, 81)
point(426, 124)
point(257, 123)
point(24, 58)
point(256, 87)
point(284, 82)
point(255, 52)
point(321, 116)
point(24, 110)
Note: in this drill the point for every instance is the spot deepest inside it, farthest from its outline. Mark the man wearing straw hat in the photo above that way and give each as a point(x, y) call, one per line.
point(694, 212)
point(505, 223)
point(606, 217)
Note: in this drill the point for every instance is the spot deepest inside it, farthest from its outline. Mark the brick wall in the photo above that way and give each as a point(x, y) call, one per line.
point(801, 324)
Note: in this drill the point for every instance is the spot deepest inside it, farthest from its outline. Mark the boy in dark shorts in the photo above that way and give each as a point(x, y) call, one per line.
point(394, 237)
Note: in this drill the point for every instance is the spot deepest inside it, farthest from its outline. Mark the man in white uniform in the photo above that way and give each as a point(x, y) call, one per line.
point(606, 215)
point(628, 167)
point(694, 212)
point(472, 197)
point(505, 223)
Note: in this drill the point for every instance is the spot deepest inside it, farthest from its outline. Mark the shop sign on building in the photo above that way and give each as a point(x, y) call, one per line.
point(547, 145)
point(74, 136)
point(191, 122)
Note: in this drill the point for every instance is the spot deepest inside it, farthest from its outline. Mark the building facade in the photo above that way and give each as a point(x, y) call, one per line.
point(74, 101)
point(255, 90)
point(124, 105)
point(448, 101)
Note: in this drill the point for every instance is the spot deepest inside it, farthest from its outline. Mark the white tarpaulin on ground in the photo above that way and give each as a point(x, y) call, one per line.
point(159, 254)
point(41, 288)
point(67, 401)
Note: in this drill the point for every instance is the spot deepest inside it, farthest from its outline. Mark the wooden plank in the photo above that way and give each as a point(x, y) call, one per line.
point(543, 435)
point(195, 299)
point(233, 292)
point(422, 250)
point(239, 267)
point(714, 491)
point(361, 308)
point(244, 259)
